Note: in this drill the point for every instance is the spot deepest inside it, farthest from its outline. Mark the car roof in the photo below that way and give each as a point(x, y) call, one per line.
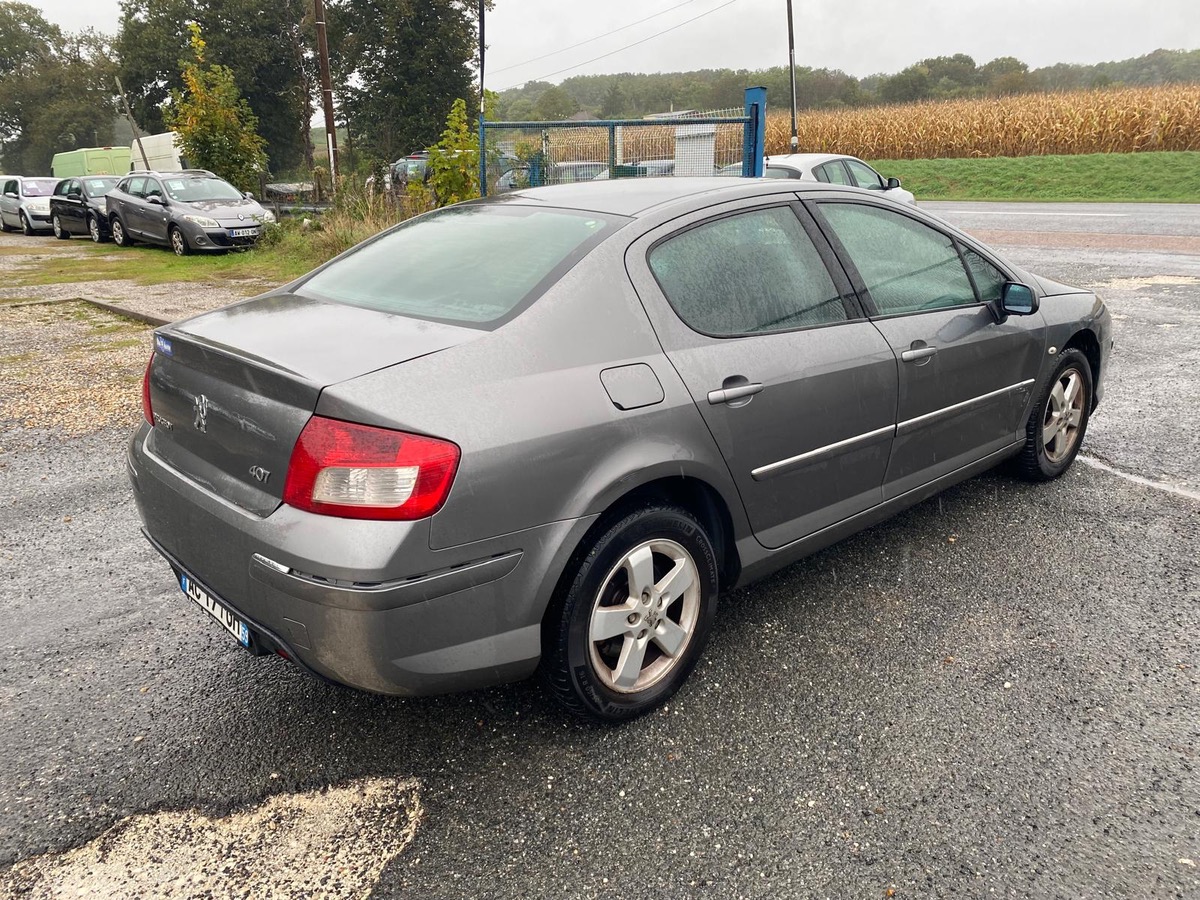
point(804, 159)
point(636, 196)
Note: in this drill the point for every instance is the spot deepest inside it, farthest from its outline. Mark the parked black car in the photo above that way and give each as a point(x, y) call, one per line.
point(77, 207)
point(187, 211)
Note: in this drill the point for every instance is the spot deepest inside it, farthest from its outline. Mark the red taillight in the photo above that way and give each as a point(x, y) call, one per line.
point(147, 407)
point(362, 472)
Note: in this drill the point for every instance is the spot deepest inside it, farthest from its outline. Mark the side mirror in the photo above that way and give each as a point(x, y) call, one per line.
point(156, 200)
point(11, 194)
point(893, 183)
point(1018, 300)
point(249, 195)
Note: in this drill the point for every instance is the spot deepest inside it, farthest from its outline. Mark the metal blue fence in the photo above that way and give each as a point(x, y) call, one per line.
point(530, 154)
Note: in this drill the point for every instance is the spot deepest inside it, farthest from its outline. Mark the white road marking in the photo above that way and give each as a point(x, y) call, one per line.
point(1138, 479)
point(329, 844)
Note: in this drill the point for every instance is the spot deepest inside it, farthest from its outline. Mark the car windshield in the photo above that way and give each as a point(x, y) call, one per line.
point(38, 187)
point(197, 190)
point(98, 187)
point(468, 265)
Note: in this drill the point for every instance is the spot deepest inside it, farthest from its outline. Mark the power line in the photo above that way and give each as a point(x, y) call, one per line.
point(596, 38)
point(626, 47)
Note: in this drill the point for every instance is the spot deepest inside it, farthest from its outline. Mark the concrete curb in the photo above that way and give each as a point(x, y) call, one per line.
point(145, 318)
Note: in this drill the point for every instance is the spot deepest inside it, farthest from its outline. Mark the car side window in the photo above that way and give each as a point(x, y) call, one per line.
point(153, 188)
point(864, 176)
point(833, 172)
point(989, 280)
point(136, 187)
point(10, 187)
point(906, 265)
point(779, 172)
point(748, 273)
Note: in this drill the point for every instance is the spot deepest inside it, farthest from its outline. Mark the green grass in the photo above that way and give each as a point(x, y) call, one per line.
point(1097, 177)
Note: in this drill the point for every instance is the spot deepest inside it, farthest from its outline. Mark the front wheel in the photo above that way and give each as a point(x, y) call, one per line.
point(94, 231)
point(179, 243)
point(1059, 420)
point(59, 232)
point(119, 235)
point(627, 630)
point(26, 227)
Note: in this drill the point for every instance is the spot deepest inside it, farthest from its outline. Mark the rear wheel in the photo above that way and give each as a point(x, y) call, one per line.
point(179, 243)
point(94, 230)
point(1059, 420)
point(59, 232)
point(119, 235)
point(5, 227)
point(627, 630)
point(26, 227)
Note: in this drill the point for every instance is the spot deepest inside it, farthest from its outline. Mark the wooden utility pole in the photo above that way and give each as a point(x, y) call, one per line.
point(326, 93)
point(137, 135)
point(792, 74)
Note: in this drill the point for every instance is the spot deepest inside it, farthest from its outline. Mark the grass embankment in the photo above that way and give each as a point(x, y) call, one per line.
point(290, 250)
point(1095, 177)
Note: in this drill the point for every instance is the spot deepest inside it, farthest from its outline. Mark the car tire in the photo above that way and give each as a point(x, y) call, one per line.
point(95, 232)
point(119, 235)
point(632, 614)
point(5, 227)
point(59, 232)
point(179, 241)
point(1058, 422)
point(26, 227)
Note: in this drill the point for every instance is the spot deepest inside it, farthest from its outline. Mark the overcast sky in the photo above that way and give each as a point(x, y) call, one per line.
point(858, 36)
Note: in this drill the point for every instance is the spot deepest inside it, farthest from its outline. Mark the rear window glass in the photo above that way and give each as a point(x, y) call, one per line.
point(468, 265)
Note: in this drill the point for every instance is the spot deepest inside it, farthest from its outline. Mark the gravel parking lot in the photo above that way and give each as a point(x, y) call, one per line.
point(994, 694)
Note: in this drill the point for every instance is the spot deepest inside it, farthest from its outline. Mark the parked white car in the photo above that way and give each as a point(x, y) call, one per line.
point(25, 203)
point(832, 168)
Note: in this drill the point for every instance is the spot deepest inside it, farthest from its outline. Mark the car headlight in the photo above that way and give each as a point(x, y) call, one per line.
point(202, 221)
point(268, 216)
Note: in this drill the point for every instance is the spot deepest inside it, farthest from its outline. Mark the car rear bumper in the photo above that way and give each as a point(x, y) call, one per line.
point(367, 604)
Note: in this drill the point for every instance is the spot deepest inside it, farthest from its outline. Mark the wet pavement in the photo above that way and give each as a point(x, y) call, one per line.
point(993, 694)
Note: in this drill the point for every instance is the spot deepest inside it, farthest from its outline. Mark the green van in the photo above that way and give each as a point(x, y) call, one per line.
point(90, 161)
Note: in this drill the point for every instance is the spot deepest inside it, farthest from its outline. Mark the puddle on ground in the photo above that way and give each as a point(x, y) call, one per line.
point(331, 844)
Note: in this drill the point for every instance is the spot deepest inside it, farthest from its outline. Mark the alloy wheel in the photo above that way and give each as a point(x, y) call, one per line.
point(94, 228)
point(644, 616)
point(178, 243)
point(57, 225)
point(1064, 414)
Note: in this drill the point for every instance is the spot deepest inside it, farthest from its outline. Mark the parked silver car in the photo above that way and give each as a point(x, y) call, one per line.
point(188, 211)
point(25, 203)
point(549, 428)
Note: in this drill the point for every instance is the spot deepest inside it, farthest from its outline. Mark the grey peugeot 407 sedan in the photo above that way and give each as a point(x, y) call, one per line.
point(546, 430)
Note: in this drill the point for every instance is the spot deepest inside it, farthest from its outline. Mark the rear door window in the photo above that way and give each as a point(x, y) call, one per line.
point(749, 273)
point(833, 173)
point(467, 265)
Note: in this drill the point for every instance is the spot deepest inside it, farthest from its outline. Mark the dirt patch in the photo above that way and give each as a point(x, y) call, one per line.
point(323, 844)
point(69, 366)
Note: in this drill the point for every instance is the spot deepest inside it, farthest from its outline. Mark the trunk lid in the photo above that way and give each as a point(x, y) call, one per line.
point(232, 389)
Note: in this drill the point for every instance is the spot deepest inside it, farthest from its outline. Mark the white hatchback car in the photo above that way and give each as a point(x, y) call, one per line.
point(832, 168)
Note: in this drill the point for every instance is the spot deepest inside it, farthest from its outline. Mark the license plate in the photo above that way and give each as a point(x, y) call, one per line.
point(228, 620)
point(243, 232)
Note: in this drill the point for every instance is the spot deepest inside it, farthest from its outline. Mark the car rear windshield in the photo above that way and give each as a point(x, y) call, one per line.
point(467, 265)
point(98, 187)
point(38, 187)
point(196, 190)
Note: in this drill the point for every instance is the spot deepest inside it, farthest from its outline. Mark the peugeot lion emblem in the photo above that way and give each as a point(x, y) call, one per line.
point(200, 408)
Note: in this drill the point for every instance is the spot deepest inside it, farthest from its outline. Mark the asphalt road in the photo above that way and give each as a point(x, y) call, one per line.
point(994, 694)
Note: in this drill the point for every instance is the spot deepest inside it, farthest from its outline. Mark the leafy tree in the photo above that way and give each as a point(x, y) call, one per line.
point(555, 104)
point(904, 87)
point(454, 160)
point(613, 106)
point(266, 46)
point(216, 127)
point(399, 67)
point(55, 89)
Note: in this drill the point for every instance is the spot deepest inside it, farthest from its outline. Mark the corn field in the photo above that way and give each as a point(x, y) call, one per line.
point(1120, 120)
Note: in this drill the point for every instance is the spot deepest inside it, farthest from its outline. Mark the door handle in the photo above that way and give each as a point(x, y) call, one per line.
point(919, 353)
point(737, 392)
